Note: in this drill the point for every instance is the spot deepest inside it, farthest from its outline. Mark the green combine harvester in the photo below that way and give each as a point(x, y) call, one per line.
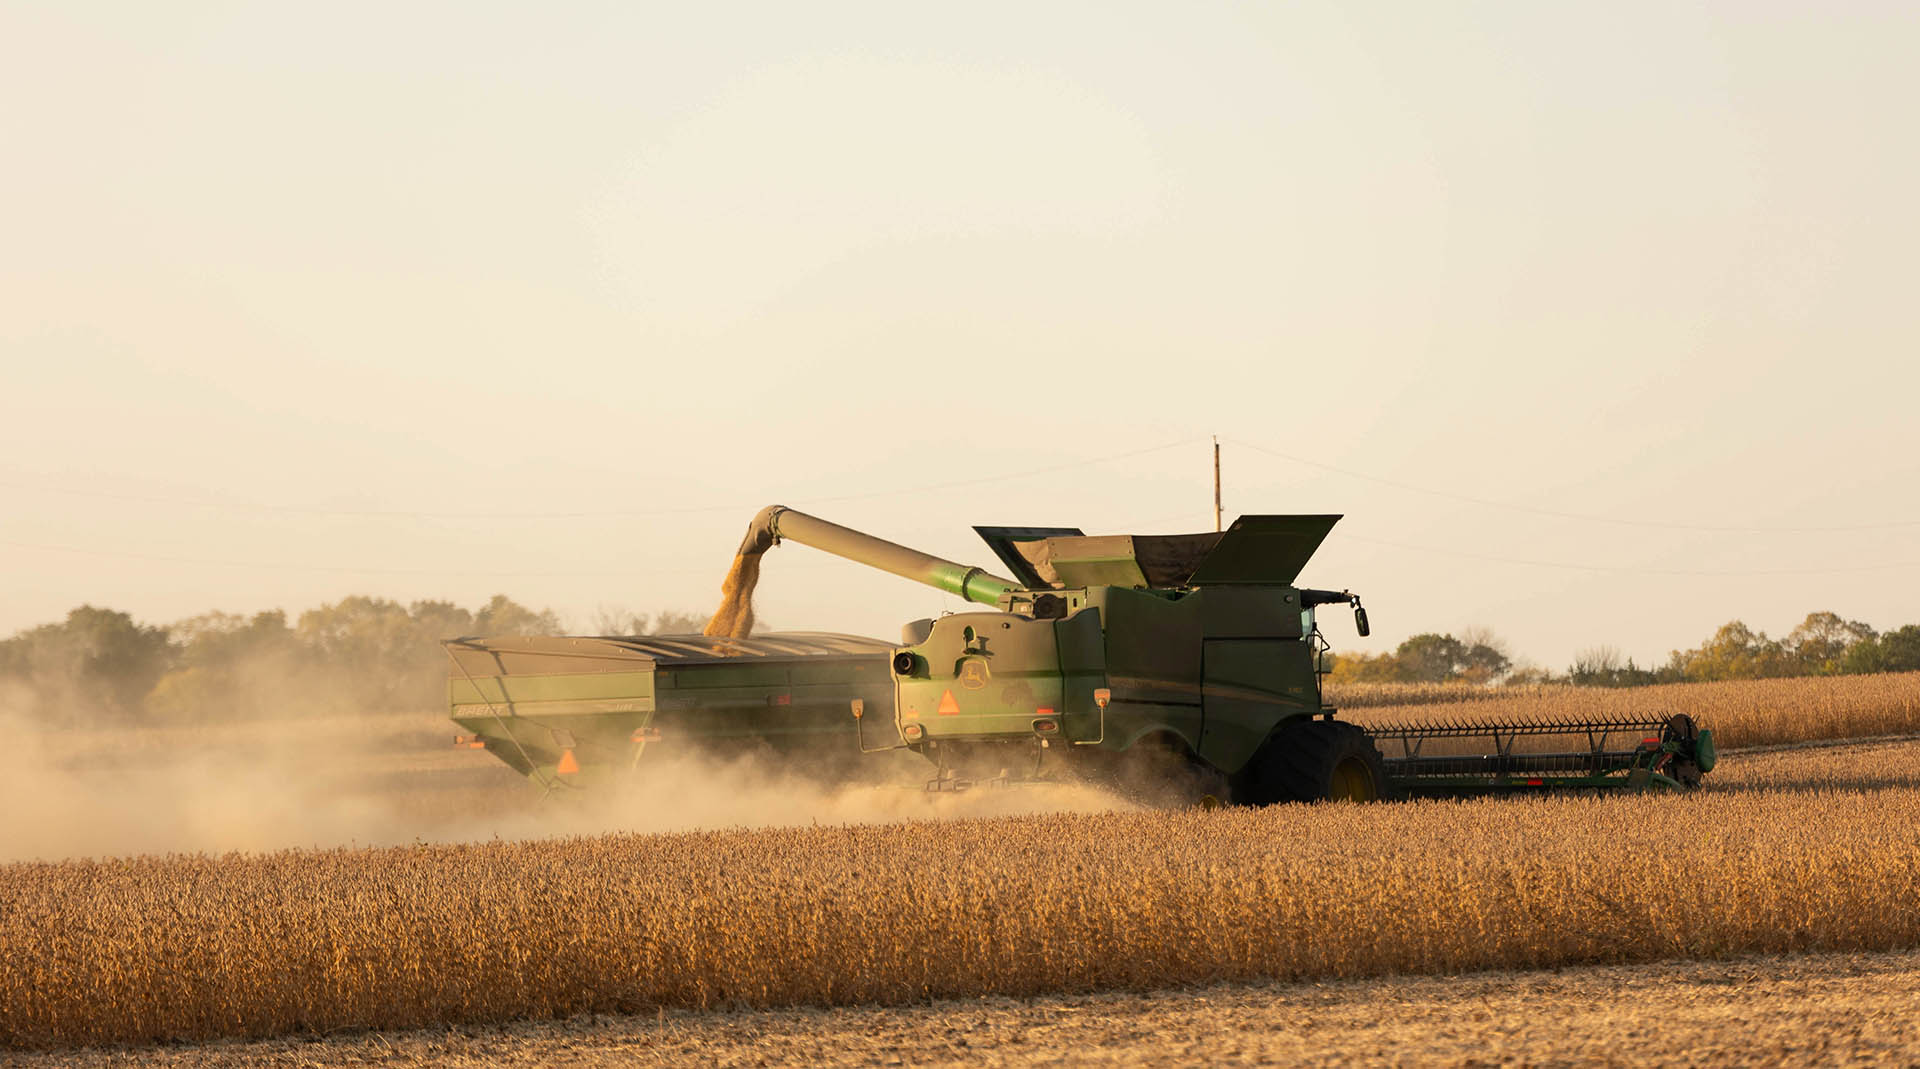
point(1187, 665)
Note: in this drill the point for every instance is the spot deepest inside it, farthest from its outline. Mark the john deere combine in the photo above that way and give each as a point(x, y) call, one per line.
point(1110, 656)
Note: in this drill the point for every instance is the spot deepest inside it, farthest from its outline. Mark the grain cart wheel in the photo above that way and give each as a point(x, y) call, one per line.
point(1314, 761)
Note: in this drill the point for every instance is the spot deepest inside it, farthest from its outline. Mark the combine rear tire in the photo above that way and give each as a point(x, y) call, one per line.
point(1314, 761)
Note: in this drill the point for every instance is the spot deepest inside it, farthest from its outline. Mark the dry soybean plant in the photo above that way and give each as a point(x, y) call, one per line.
point(187, 947)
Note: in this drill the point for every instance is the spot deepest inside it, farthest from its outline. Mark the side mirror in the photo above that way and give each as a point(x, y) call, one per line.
point(1102, 696)
point(1360, 622)
point(859, 708)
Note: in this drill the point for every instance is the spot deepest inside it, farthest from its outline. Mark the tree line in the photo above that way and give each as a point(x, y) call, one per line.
point(1824, 644)
point(357, 655)
point(368, 655)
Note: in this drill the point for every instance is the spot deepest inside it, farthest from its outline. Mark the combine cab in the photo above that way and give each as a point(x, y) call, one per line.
point(1190, 660)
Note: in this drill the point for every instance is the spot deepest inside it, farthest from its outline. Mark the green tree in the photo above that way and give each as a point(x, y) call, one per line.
point(503, 616)
point(1819, 646)
point(1736, 651)
point(95, 666)
point(1364, 668)
point(1896, 651)
point(233, 667)
point(1900, 649)
point(371, 653)
point(1602, 666)
point(1429, 658)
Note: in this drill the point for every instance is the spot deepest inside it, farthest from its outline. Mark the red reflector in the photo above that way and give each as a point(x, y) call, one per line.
point(1043, 711)
point(1536, 783)
point(782, 699)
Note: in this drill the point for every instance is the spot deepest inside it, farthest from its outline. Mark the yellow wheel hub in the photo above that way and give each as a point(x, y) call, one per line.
point(1352, 781)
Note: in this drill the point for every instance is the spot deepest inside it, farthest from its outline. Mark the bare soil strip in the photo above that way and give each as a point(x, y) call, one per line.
point(1796, 1010)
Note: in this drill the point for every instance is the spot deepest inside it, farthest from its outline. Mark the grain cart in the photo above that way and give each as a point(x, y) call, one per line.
point(1184, 661)
point(581, 712)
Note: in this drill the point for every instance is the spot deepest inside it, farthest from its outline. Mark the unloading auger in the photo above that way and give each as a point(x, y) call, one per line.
point(1185, 659)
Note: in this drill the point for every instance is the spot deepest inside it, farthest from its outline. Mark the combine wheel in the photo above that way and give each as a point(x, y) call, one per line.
point(1313, 761)
point(1160, 772)
point(1695, 755)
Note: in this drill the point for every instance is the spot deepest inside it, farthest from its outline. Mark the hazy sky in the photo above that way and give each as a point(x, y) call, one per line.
point(1596, 320)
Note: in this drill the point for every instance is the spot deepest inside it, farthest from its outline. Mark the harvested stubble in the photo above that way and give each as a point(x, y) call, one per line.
point(1756, 712)
point(188, 947)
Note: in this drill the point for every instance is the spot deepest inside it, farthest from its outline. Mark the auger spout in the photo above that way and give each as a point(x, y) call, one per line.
point(777, 522)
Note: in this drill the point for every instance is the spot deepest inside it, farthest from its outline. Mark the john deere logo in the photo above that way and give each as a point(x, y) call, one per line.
point(973, 674)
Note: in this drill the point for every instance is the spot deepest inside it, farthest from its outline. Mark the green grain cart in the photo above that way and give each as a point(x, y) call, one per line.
point(1187, 665)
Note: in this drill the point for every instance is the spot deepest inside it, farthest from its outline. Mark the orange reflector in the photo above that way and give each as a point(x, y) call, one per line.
point(1043, 711)
point(567, 766)
point(948, 706)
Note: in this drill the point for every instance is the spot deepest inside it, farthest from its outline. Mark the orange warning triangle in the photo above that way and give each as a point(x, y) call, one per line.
point(567, 766)
point(948, 706)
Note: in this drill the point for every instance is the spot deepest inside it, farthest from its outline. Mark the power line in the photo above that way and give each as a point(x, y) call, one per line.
point(300, 510)
point(1621, 570)
point(1583, 516)
point(1491, 558)
point(281, 567)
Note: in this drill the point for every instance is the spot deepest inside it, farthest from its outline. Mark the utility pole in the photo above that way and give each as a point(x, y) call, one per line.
point(1216, 482)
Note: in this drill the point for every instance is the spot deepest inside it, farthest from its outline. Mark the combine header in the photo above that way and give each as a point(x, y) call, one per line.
point(1190, 660)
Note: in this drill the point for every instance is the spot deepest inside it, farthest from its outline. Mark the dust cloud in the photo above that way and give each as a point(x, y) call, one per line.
point(396, 780)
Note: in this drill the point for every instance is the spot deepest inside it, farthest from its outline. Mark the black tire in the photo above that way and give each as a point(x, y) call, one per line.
point(1161, 773)
point(1307, 760)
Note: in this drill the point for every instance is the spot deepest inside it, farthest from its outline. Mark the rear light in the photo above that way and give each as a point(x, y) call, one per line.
point(1046, 725)
point(469, 742)
point(913, 732)
point(646, 734)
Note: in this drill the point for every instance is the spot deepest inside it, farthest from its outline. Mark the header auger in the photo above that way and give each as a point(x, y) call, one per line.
point(1176, 665)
